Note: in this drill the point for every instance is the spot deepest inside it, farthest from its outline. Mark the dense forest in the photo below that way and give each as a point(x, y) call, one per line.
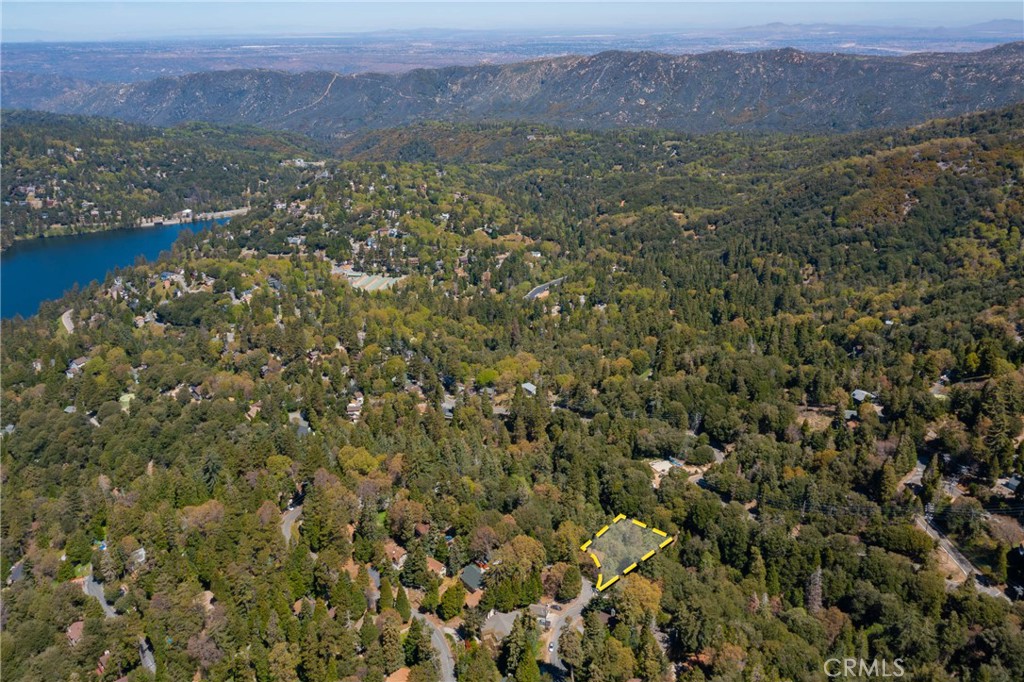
point(242, 464)
point(68, 174)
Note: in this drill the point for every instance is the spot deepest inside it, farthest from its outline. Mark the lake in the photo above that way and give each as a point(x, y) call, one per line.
point(40, 270)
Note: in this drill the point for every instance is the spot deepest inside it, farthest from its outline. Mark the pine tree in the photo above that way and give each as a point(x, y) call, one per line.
point(888, 483)
point(570, 650)
point(368, 633)
point(572, 583)
point(651, 661)
point(814, 592)
point(528, 670)
point(430, 598)
point(477, 665)
point(415, 572)
point(411, 645)
point(386, 599)
point(1001, 565)
point(402, 604)
point(392, 655)
point(757, 570)
point(451, 602)
point(520, 643)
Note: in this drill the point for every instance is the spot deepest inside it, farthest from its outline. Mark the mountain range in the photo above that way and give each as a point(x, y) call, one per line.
point(782, 90)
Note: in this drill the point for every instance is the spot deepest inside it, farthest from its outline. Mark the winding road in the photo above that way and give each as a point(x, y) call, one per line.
point(560, 620)
point(444, 652)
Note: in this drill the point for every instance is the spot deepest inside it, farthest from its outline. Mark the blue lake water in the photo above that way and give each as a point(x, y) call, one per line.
point(40, 270)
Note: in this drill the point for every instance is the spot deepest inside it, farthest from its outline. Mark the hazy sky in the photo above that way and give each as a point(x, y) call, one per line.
point(90, 20)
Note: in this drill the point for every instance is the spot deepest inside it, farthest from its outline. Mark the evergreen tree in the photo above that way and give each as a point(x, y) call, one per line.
point(572, 583)
point(430, 598)
point(476, 665)
point(520, 643)
point(527, 670)
point(570, 650)
point(452, 601)
point(415, 572)
point(402, 604)
point(392, 655)
point(386, 600)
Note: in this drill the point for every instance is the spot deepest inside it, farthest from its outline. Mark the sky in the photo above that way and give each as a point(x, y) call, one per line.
point(29, 20)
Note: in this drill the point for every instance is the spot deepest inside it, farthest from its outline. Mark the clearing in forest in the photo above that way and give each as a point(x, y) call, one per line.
point(621, 546)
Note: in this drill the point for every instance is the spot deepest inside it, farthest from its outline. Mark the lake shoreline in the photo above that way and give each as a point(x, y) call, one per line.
point(41, 270)
point(145, 224)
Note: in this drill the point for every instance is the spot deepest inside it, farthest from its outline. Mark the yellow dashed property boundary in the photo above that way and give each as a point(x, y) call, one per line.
point(601, 584)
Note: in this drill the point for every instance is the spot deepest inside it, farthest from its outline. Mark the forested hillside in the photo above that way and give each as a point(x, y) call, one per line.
point(783, 90)
point(274, 472)
point(67, 175)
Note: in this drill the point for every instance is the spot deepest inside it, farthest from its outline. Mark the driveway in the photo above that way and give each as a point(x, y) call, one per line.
point(288, 520)
point(440, 644)
point(95, 590)
point(561, 620)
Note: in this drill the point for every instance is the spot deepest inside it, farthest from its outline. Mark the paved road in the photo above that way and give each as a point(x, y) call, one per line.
point(288, 520)
point(541, 288)
point(65, 319)
point(440, 644)
point(560, 620)
point(962, 562)
point(95, 590)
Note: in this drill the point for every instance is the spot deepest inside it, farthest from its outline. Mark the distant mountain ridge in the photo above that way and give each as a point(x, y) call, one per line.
point(783, 90)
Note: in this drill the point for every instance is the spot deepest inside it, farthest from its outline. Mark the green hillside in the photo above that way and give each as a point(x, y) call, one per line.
point(821, 334)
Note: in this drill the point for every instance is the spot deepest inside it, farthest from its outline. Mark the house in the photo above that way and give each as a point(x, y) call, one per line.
point(530, 388)
point(101, 664)
point(75, 632)
point(1007, 487)
point(539, 610)
point(76, 365)
point(138, 557)
point(395, 554)
point(422, 530)
point(448, 407)
point(860, 395)
point(355, 408)
point(661, 466)
point(436, 567)
point(498, 625)
point(472, 577)
point(302, 426)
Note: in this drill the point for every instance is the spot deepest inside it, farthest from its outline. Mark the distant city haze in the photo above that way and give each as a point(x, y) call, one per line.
point(106, 21)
